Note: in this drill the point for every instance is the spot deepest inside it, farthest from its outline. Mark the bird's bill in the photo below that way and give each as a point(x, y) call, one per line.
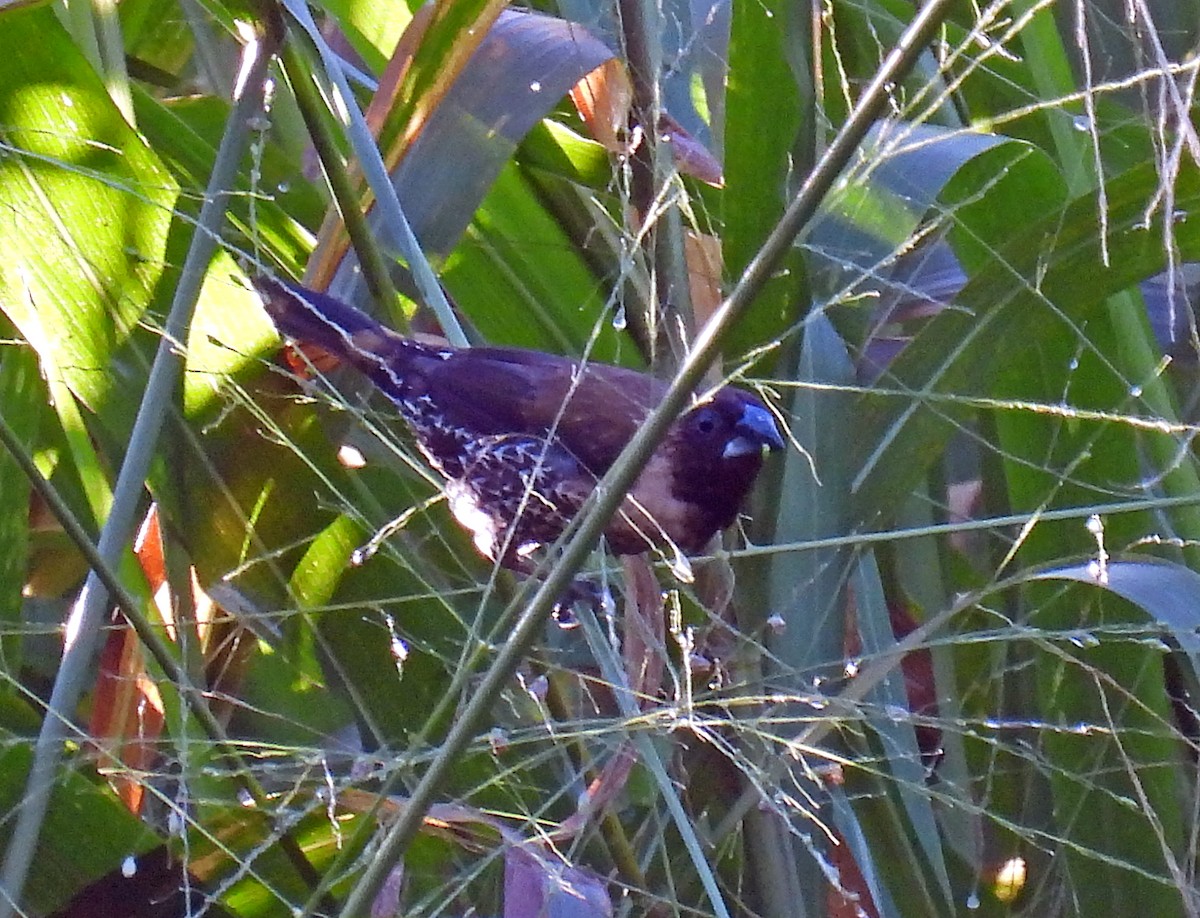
point(756, 429)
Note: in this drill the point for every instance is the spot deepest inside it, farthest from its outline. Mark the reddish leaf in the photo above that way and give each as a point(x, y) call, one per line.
point(852, 899)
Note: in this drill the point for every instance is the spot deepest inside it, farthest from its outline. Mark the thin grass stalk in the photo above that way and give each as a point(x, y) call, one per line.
point(300, 76)
point(112, 53)
point(1139, 354)
point(208, 52)
point(849, 702)
point(610, 668)
point(88, 614)
point(985, 524)
point(367, 152)
point(572, 549)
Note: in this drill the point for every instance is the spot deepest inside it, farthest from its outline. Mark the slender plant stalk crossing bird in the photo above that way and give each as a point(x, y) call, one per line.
point(522, 436)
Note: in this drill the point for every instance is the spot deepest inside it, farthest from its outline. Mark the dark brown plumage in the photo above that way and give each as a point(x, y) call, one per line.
point(522, 436)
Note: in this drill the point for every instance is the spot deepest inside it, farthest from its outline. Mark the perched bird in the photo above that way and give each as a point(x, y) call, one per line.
point(522, 436)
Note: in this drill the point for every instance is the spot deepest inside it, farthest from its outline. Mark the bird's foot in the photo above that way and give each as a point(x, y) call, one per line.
point(582, 591)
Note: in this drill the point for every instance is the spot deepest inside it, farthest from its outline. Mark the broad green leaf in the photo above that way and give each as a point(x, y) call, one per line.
point(522, 281)
point(808, 589)
point(287, 680)
point(553, 147)
point(155, 35)
point(467, 129)
point(1109, 749)
point(228, 333)
point(523, 68)
point(87, 205)
point(1169, 594)
point(1025, 289)
point(274, 211)
point(888, 717)
point(769, 143)
point(87, 833)
point(372, 27)
point(248, 506)
point(906, 174)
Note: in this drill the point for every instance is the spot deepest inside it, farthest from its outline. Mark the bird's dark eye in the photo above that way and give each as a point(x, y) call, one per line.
point(706, 421)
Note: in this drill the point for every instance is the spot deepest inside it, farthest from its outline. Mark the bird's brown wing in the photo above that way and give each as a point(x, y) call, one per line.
point(482, 391)
point(501, 390)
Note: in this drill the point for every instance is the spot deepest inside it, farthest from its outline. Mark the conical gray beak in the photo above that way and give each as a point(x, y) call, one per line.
point(755, 429)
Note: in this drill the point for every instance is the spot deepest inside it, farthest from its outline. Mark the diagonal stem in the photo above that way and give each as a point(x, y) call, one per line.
point(605, 500)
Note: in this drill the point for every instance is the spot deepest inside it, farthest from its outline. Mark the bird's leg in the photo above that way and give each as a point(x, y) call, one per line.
point(582, 591)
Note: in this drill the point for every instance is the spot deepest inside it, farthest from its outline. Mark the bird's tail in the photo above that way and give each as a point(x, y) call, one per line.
point(313, 318)
point(387, 358)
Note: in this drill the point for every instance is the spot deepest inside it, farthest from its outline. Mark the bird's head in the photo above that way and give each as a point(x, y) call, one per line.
point(716, 451)
point(731, 425)
point(698, 478)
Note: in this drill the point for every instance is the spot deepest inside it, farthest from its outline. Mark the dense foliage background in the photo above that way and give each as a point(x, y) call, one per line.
point(947, 663)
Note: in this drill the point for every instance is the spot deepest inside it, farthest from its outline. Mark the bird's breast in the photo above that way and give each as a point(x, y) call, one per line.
point(653, 514)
